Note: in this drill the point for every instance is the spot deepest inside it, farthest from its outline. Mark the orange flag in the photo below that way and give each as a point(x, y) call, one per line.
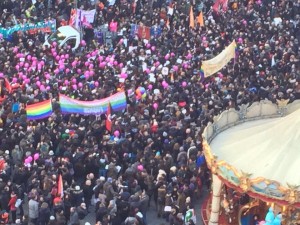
point(108, 123)
point(60, 187)
point(192, 19)
point(200, 19)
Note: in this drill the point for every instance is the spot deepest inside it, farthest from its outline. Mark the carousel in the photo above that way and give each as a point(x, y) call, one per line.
point(252, 154)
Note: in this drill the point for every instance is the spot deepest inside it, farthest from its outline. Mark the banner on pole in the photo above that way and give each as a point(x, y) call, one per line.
point(45, 26)
point(215, 64)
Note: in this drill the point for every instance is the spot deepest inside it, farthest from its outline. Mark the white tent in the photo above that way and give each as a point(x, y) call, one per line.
point(266, 148)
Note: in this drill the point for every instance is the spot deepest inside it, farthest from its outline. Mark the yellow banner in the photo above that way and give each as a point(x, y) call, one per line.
point(213, 65)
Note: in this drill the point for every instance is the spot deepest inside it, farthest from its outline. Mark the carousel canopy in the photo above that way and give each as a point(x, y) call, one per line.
point(266, 148)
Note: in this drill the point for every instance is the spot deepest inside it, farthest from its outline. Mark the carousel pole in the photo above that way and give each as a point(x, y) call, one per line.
point(216, 200)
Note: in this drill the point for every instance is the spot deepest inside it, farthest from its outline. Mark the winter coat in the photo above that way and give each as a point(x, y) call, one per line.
point(33, 208)
point(82, 213)
point(77, 197)
point(74, 219)
point(12, 203)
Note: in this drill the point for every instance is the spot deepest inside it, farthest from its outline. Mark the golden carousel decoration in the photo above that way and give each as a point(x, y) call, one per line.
point(254, 151)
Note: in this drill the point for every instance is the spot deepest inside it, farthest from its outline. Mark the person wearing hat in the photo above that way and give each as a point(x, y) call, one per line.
point(77, 196)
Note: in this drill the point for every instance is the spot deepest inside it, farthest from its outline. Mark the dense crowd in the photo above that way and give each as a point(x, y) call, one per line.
point(153, 153)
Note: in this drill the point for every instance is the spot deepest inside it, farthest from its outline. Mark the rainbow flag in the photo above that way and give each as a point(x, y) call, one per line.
point(96, 107)
point(39, 110)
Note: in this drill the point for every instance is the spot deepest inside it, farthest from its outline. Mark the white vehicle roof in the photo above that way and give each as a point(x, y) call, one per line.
point(68, 31)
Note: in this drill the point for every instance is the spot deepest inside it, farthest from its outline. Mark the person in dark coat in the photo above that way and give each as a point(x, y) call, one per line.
point(44, 214)
point(82, 211)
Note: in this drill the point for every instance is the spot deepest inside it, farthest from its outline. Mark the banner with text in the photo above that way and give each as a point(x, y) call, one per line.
point(215, 64)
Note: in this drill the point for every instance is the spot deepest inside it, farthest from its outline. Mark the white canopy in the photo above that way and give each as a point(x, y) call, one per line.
point(266, 148)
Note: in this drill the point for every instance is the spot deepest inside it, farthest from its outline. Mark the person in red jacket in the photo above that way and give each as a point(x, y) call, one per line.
point(12, 207)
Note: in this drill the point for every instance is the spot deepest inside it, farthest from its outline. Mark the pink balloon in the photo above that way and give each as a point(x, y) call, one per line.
point(94, 53)
point(67, 70)
point(100, 58)
point(184, 84)
point(148, 45)
point(204, 38)
point(24, 77)
point(14, 80)
point(74, 81)
point(26, 161)
point(78, 70)
point(150, 86)
point(147, 70)
point(61, 67)
point(121, 65)
point(121, 41)
point(62, 56)
point(17, 67)
point(172, 54)
point(74, 64)
point(48, 88)
point(80, 85)
point(153, 48)
point(86, 74)
point(38, 83)
point(74, 86)
point(123, 75)
point(140, 167)
point(240, 40)
point(28, 57)
point(115, 63)
point(54, 44)
point(21, 63)
point(54, 54)
point(48, 76)
point(165, 84)
point(245, 22)
point(167, 56)
point(57, 57)
point(92, 73)
point(15, 50)
point(26, 65)
point(66, 82)
point(189, 56)
point(91, 66)
point(96, 84)
point(67, 56)
point(36, 156)
point(56, 71)
point(29, 159)
point(155, 105)
point(42, 88)
point(42, 63)
point(86, 63)
point(157, 64)
point(175, 68)
point(83, 43)
point(117, 133)
point(39, 66)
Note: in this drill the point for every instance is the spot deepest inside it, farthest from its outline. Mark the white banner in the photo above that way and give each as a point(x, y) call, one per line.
point(85, 16)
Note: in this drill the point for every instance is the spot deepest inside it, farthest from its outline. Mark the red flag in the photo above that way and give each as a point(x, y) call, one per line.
point(144, 32)
point(108, 122)
point(60, 187)
point(8, 86)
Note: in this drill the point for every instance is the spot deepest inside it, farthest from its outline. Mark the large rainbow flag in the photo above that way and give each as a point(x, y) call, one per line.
point(96, 107)
point(39, 110)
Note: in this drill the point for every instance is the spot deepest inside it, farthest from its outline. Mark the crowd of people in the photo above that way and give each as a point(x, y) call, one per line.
point(153, 155)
